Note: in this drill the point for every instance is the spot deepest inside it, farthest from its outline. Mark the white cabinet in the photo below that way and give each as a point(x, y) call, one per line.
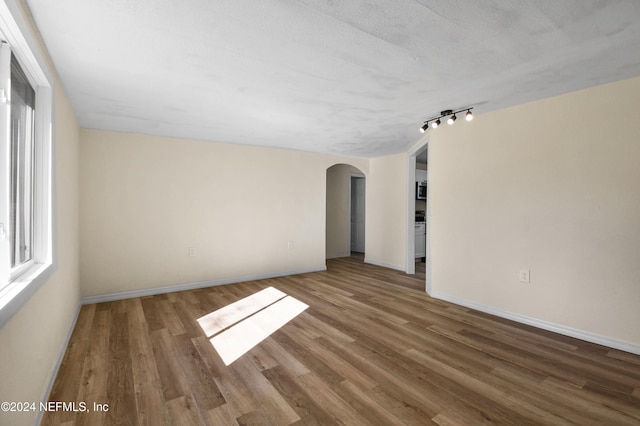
point(421, 239)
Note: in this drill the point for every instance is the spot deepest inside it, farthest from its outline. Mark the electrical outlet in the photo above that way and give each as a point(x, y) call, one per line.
point(192, 251)
point(290, 245)
point(525, 276)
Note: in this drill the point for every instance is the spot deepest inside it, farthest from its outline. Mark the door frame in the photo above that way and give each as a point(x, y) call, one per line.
point(410, 267)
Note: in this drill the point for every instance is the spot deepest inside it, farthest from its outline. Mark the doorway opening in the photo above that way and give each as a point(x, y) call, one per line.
point(345, 211)
point(419, 214)
point(357, 190)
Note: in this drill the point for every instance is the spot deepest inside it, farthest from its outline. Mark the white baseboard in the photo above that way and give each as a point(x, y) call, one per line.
point(384, 265)
point(545, 325)
point(110, 297)
point(56, 367)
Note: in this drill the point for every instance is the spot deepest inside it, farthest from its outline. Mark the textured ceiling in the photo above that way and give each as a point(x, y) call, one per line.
point(356, 77)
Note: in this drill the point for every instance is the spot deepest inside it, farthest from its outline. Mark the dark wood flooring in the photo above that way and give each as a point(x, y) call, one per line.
point(370, 349)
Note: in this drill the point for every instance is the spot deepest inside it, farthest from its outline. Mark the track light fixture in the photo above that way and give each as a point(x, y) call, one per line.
point(435, 121)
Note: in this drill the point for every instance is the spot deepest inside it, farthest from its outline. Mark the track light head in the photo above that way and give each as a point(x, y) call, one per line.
point(469, 115)
point(424, 127)
point(451, 120)
point(435, 124)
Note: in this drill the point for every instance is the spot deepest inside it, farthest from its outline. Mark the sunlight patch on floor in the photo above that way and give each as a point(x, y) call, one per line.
point(214, 322)
point(238, 327)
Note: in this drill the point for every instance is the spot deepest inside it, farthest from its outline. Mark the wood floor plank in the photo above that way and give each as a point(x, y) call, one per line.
point(254, 418)
point(617, 378)
point(152, 313)
point(135, 311)
point(170, 318)
point(388, 375)
point(186, 312)
point(151, 406)
point(201, 382)
point(184, 412)
point(78, 366)
point(93, 388)
point(511, 355)
point(601, 409)
point(297, 398)
point(343, 369)
point(370, 411)
point(120, 391)
point(371, 348)
point(262, 359)
point(221, 415)
point(441, 391)
point(235, 390)
point(237, 393)
point(273, 403)
point(311, 360)
point(488, 389)
point(324, 396)
point(393, 401)
point(174, 384)
point(285, 359)
point(552, 398)
point(309, 321)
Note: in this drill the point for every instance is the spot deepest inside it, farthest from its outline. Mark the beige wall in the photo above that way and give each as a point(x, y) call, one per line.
point(145, 200)
point(386, 212)
point(338, 210)
point(551, 186)
point(32, 340)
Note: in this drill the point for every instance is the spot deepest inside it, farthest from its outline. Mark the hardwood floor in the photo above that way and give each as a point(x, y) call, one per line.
point(369, 349)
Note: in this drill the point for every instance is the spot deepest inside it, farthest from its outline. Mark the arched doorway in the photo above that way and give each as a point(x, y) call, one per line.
point(345, 211)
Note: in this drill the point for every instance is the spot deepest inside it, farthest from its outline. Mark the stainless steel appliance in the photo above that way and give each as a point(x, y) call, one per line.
point(421, 190)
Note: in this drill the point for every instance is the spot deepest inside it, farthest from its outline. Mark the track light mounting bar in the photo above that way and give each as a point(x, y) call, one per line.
point(435, 121)
point(447, 112)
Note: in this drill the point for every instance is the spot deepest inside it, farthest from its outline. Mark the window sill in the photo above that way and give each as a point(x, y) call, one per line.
point(16, 294)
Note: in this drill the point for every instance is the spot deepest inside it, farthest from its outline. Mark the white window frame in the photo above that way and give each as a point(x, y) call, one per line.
point(15, 290)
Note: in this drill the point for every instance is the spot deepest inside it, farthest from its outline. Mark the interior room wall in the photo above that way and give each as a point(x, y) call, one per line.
point(337, 210)
point(246, 211)
point(552, 187)
point(386, 212)
point(32, 340)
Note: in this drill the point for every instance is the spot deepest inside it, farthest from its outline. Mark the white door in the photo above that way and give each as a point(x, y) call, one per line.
point(357, 213)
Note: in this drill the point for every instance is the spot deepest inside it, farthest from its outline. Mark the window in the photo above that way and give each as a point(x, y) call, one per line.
point(22, 170)
point(26, 256)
